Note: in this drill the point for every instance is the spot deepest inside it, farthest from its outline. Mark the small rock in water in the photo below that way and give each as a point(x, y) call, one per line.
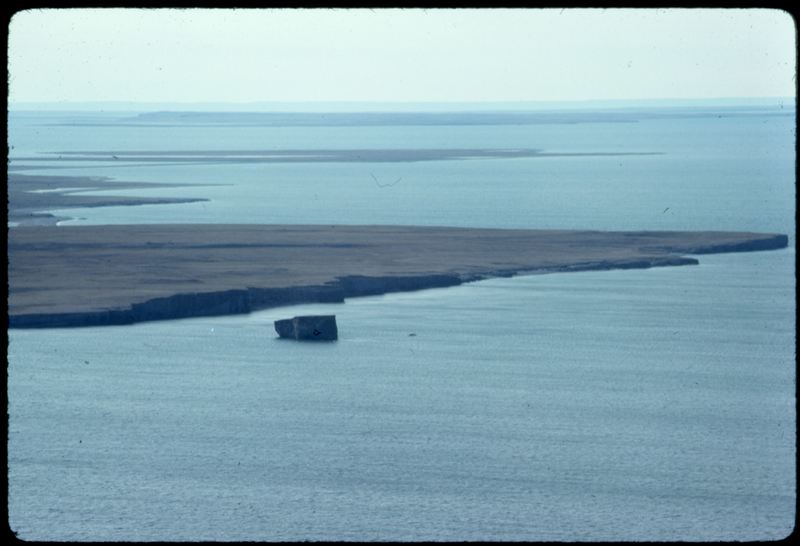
point(308, 328)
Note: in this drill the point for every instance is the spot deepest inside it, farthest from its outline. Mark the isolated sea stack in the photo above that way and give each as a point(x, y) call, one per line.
point(308, 328)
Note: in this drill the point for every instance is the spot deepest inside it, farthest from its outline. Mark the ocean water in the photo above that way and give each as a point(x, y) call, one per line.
point(618, 405)
point(725, 173)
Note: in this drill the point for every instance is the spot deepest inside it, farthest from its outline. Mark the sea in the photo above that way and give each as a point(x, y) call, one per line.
point(631, 405)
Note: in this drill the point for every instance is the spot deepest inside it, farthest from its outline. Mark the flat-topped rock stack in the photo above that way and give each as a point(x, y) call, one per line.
point(308, 328)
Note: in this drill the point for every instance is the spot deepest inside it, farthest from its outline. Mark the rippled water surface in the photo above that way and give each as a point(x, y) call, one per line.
point(617, 405)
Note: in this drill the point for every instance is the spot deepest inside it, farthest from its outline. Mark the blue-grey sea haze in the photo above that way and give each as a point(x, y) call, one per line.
point(617, 405)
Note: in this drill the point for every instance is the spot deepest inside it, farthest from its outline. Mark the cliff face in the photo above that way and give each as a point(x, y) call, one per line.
point(772, 243)
point(232, 302)
point(359, 285)
point(765, 243)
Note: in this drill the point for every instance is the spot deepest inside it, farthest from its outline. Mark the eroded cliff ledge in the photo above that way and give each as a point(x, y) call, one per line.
point(104, 275)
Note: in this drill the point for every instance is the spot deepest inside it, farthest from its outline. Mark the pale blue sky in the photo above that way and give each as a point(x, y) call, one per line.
point(398, 55)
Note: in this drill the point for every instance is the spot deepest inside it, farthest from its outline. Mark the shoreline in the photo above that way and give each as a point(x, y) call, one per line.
point(32, 198)
point(235, 302)
point(76, 276)
point(394, 155)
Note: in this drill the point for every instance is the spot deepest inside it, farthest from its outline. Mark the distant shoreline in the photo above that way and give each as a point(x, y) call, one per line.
point(180, 157)
point(70, 276)
point(30, 196)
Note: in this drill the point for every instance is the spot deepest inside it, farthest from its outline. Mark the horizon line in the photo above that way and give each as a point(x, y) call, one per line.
point(121, 105)
point(629, 99)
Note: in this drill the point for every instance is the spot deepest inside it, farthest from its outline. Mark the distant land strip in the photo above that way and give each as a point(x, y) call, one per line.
point(310, 156)
point(168, 119)
point(72, 276)
point(30, 195)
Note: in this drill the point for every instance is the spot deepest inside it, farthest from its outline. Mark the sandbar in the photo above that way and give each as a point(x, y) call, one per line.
point(30, 195)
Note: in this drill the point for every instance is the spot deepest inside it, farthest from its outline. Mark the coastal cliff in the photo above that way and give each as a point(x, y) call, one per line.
point(86, 276)
point(233, 302)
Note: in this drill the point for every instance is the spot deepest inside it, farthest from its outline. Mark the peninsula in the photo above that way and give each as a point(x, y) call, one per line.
point(65, 276)
point(29, 196)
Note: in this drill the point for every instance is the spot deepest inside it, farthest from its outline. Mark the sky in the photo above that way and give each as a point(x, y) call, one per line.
point(398, 55)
